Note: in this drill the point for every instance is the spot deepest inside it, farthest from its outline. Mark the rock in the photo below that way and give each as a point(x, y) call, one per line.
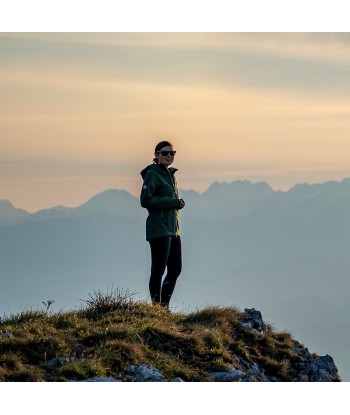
point(314, 368)
point(6, 335)
point(254, 319)
point(104, 379)
point(249, 326)
point(321, 370)
point(229, 376)
point(247, 379)
point(176, 380)
point(58, 361)
point(302, 352)
point(257, 372)
point(301, 378)
point(253, 372)
point(143, 373)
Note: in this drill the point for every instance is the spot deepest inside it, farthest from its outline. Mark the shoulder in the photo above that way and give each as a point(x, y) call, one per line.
point(173, 170)
point(153, 175)
point(147, 171)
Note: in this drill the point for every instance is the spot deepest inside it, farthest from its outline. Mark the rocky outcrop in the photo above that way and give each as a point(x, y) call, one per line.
point(306, 367)
point(315, 368)
point(253, 320)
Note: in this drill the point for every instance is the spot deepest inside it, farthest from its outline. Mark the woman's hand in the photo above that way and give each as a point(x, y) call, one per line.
point(182, 203)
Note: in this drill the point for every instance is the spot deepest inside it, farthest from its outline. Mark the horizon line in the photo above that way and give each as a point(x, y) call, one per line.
point(186, 190)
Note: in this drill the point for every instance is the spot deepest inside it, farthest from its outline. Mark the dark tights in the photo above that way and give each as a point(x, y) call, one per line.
point(166, 253)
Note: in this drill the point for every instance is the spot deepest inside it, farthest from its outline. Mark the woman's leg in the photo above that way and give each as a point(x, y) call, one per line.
point(160, 249)
point(174, 266)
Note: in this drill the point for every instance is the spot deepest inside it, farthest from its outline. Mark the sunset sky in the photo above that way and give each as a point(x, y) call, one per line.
point(81, 112)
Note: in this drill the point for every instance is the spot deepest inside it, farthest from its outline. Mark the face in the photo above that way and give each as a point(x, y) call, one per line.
point(167, 159)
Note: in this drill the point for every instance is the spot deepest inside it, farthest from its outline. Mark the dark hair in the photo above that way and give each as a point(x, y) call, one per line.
point(159, 146)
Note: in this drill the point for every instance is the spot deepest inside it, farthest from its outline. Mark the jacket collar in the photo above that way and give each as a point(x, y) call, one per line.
point(160, 168)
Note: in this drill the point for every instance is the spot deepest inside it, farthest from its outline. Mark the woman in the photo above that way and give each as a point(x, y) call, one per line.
point(159, 195)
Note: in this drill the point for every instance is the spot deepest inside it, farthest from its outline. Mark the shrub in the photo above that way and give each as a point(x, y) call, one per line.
point(113, 300)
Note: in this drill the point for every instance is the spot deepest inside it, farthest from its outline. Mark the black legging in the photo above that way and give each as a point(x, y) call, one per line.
point(166, 252)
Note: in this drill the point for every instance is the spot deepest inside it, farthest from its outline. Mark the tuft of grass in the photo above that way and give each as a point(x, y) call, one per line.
point(119, 354)
point(66, 321)
point(24, 316)
point(214, 316)
point(10, 361)
point(111, 301)
point(71, 371)
point(28, 374)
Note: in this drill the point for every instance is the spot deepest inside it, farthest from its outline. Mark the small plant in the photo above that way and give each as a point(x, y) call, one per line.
point(113, 300)
point(48, 304)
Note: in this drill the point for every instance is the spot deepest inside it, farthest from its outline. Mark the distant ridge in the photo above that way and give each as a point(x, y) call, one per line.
point(221, 200)
point(9, 215)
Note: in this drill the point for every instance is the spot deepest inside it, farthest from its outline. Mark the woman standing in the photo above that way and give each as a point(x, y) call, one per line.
point(159, 195)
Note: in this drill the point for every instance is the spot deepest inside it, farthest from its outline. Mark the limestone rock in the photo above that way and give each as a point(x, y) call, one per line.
point(176, 380)
point(58, 361)
point(253, 320)
point(320, 370)
point(103, 379)
point(143, 373)
point(229, 375)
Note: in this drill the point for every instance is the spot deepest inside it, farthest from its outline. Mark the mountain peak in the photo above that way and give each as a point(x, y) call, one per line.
point(6, 205)
point(111, 201)
point(312, 188)
point(240, 187)
point(10, 215)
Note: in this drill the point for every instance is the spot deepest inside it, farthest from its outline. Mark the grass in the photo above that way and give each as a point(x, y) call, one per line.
point(111, 331)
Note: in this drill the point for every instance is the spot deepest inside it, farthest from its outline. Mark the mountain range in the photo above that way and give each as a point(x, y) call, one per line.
point(244, 244)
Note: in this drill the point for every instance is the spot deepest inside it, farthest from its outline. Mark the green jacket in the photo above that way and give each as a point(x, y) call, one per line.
point(160, 196)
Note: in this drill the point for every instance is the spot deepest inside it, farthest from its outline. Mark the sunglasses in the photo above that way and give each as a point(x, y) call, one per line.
point(165, 153)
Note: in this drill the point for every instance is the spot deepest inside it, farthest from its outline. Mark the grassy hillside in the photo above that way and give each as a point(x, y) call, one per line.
point(110, 332)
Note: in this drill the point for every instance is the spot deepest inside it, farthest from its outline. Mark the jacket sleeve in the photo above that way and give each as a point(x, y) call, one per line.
point(150, 201)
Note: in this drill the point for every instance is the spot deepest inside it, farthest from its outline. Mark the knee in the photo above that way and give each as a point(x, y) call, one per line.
point(177, 271)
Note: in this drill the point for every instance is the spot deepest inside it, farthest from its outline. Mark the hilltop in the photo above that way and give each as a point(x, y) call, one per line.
point(111, 337)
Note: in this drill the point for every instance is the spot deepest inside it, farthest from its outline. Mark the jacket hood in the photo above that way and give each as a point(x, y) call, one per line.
point(157, 166)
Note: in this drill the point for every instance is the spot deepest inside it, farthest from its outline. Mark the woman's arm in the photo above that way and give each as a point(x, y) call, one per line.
point(150, 201)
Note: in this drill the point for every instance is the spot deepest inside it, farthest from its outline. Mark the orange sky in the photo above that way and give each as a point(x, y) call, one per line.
point(81, 113)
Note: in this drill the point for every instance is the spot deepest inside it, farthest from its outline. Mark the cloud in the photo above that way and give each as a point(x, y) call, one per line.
point(312, 62)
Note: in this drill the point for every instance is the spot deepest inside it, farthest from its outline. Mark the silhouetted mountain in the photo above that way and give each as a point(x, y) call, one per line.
point(109, 202)
point(222, 200)
point(227, 200)
point(10, 215)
